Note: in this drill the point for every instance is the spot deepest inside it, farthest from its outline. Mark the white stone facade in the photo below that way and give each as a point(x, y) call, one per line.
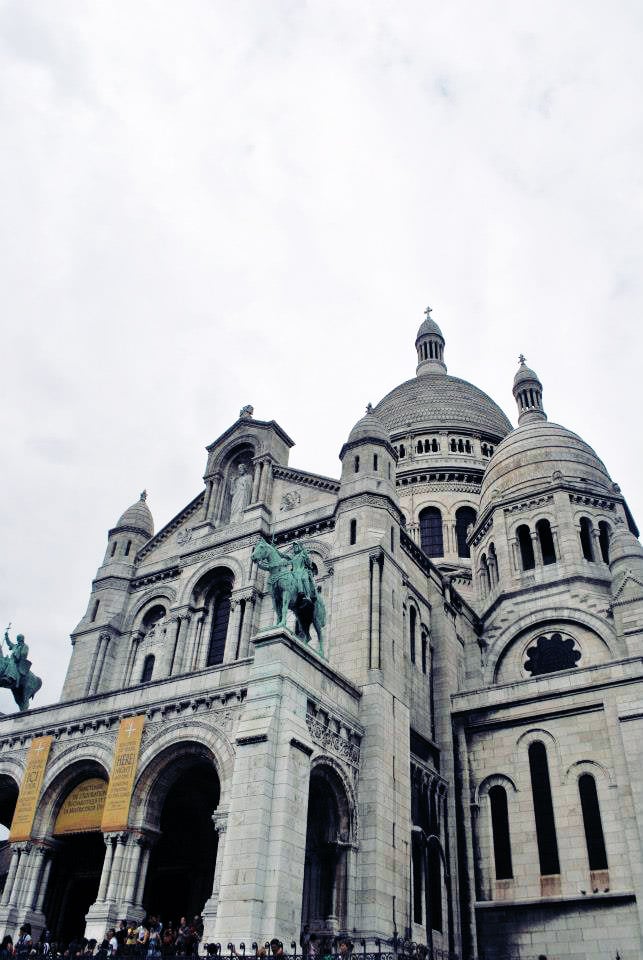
point(387, 789)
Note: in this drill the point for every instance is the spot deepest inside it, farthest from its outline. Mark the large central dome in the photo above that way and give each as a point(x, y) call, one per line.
point(435, 401)
point(439, 401)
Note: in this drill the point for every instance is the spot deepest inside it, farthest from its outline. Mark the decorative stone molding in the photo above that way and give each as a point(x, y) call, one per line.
point(482, 531)
point(599, 502)
point(530, 504)
point(319, 726)
point(170, 527)
point(169, 573)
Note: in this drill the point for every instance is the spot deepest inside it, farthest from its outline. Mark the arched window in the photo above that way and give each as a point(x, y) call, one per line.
point(586, 537)
point(95, 610)
point(460, 446)
point(218, 602)
point(431, 532)
point(464, 517)
point(604, 532)
point(543, 810)
point(483, 575)
point(412, 627)
point(454, 446)
point(128, 547)
point(114, 545)
point(420, 448)
point(526, 547)
point(424, 650)
point(356, 464)
point(148, 668)
point(492, 563)
point(596, 853)
point(500, 829)
point(484, 450)
point(546, 541)
point(402, 451)
point(434, 445)
point(375, 461)
point(353, 532)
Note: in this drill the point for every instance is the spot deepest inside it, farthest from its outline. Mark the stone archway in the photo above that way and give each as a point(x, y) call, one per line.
point(181, 800)
point(328, 839)
point(8, 797)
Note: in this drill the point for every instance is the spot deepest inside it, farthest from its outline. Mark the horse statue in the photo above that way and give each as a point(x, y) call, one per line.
point(15, 671)
point(293, 587)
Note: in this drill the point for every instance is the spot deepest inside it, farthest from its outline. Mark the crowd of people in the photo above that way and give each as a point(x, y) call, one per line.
point(153, 940)
point(148, 940)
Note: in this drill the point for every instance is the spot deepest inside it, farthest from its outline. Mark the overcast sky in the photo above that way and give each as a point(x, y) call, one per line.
point(208, 204)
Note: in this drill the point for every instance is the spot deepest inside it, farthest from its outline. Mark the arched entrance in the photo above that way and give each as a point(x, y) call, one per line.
point(8, 797)
point(77, 855)
point(327, 842)
point(73, 884)
point(181, 870)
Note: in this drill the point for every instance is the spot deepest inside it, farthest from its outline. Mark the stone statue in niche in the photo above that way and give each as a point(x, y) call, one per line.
point(241, 490)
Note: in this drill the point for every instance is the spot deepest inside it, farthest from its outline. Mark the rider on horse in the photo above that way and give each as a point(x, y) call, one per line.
point(17, 664)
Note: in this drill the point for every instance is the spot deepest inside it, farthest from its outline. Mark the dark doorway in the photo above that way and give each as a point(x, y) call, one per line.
point(181, 871)
point(8, 797)
point(73, 884)
point(327, 841)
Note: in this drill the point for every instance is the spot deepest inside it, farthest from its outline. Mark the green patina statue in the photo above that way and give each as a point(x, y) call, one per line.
point(293, 587)
point(15, 671)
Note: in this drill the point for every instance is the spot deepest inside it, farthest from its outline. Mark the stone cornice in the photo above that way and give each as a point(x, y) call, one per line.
point(306, 479)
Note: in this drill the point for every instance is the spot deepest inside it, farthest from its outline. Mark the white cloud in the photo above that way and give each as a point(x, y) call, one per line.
point(209, 204)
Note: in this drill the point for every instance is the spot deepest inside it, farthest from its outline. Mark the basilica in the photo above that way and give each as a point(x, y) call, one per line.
point(447, 752)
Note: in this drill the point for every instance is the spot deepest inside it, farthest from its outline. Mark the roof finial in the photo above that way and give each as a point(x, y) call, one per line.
point(369, 407)
point(427, 312)
point(522, 358)
point(144, 495)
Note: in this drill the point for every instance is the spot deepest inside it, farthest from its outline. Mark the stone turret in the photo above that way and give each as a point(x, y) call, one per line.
point(626, 567)
point(96, 637)
point(528, 393)
point(429, 344)
point(368, 459)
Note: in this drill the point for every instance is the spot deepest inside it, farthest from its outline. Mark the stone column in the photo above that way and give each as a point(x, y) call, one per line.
point(232, 634)
point(212, 503)
point(21, 873)
point(246, 627)
point(107, 867)
point(142, 874)
point(40, 854)
point(255, 481)
point(220, 821)
point(266, 478)
point(115, 876)
point(44, 883)
point(535, 545)
point(180, 652)
point(16, 852)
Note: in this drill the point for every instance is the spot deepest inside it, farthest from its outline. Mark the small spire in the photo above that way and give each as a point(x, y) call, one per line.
point(528, 393)
point(144, 495)
point(428, 312)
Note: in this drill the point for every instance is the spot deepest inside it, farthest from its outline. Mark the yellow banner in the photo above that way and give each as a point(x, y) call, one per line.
point(29, 794)
point(121, 781)
point(83, 808)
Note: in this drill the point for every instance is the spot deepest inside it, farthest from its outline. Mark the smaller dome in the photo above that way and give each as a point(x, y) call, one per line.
point(534, 455)
point(370, 427)
point(624, 546)
point(525, 373)
point(429, 328)
point(139, 516)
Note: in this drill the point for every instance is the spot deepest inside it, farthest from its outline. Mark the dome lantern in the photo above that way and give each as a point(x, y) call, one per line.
point(528, 393)
point(429, 344)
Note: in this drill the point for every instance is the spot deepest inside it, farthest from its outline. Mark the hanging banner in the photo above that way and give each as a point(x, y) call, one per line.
point(29, 794)
point(82, 809)
point(121, 779)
